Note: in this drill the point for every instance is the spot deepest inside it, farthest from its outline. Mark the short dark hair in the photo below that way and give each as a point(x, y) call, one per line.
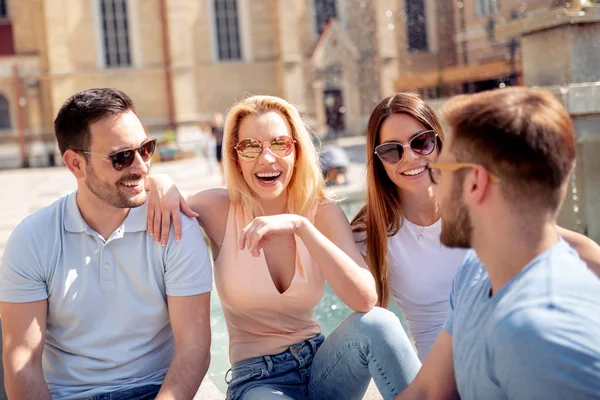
point(523, 135)
point(72, 124)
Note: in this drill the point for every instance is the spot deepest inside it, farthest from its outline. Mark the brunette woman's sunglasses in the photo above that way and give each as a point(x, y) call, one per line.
point(391, 153)
point(250, 149)
point(124, 158)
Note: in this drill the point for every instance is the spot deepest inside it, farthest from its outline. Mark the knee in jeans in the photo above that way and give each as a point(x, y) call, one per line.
point(377, 323)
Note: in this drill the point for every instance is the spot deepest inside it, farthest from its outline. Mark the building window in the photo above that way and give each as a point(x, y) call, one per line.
point(115, 33)
point(324, 11)
point(4, 113)
point(3, 9)
point(486, 7)
point(228, 30)
point(416, 25)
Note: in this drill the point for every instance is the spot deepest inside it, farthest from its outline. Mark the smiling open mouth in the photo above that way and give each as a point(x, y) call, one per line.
point(268, 177)
point(413, 172)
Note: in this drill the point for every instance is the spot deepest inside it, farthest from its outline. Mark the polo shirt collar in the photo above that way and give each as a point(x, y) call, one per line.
point(136, 221)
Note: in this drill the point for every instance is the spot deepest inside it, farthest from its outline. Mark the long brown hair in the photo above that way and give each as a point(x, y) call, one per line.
point(382, 216)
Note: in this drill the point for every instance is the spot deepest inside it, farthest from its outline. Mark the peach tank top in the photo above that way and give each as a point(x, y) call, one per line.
point(261, 320)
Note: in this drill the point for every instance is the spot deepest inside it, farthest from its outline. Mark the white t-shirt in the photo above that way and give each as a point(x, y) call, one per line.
point(421, 271)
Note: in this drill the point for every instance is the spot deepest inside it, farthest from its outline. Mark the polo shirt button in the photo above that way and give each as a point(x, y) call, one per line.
point(106, 266)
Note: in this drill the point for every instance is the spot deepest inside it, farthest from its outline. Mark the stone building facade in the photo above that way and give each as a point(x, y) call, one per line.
point(183, 60)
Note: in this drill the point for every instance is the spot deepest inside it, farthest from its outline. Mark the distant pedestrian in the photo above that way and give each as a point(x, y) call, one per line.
point(216, 130)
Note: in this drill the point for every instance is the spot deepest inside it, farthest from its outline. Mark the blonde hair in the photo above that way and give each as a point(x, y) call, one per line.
point(306, 188)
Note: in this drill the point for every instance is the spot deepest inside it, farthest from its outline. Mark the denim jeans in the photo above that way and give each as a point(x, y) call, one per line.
point(147, 392)
point(364, 346)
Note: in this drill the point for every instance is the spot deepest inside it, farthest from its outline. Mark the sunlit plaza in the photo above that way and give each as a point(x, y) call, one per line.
point(184, 61)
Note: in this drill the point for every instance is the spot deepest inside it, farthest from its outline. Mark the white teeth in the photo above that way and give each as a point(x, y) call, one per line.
point(415, 171)
point(268, 174)
point(131, 184)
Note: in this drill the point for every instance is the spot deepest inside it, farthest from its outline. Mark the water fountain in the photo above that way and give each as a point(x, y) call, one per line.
point(560, 51)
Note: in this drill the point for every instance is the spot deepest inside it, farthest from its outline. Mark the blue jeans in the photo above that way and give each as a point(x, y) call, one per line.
point(147, 392)
point(365, 345)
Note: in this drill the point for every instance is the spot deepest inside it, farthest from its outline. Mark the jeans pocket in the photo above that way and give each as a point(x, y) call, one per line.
point(241, 379)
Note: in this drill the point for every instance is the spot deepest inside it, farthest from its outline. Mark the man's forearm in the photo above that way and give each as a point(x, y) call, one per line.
point(27, 383)
point(185, 375)
point(412, 392)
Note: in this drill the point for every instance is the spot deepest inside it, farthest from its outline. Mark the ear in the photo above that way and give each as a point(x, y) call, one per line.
point(75, 162)
point(477, 184)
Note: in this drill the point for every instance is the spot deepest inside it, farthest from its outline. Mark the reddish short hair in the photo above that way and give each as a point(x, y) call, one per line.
point(523, 135)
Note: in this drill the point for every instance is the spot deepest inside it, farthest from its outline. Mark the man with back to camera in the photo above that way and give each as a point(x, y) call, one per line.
point(92, 307)
point(524, 320)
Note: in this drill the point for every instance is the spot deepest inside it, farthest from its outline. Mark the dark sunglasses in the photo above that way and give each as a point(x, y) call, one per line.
point(391, 153)
point(124, 158)
point(250, 149)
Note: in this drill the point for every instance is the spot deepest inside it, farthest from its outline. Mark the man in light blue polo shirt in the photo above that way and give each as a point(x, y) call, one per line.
point(525, 309)
point(92, 307)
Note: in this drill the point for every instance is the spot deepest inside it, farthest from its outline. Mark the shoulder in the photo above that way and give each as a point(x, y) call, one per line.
point(217, 198)
point(326, 207)
point(329, 212)
point(212, 206)
point(41, 226)
point(470, 271)
point(548, 331)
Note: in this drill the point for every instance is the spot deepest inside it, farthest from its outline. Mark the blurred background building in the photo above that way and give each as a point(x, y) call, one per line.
point(183, 60)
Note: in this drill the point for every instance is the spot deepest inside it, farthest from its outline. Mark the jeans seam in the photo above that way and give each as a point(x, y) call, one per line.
point(383, 375)
point(350, 346)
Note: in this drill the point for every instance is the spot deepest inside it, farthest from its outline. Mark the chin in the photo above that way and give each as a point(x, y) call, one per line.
point(137, 201)
point(269, 195)
point(454, 237)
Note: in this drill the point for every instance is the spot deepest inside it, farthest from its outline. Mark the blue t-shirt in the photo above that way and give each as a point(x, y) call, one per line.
point(538, 337)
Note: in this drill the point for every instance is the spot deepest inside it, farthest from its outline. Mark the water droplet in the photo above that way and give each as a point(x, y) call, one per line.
point(333, 306)
point(576, 209)
point(502, 85)
point(391, 27)
point(388, 13)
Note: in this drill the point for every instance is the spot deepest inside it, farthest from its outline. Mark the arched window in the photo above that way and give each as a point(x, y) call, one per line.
point(4, 113)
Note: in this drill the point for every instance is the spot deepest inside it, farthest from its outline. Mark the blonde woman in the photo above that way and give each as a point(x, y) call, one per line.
point(399, 228)
point(276, 238)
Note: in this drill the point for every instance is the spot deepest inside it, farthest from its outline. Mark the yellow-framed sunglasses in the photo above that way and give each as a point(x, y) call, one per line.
point(434, 169)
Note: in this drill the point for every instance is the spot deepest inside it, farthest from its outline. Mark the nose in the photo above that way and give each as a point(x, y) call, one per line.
point(266, 156)
point(409, 154)
point(138, 165)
